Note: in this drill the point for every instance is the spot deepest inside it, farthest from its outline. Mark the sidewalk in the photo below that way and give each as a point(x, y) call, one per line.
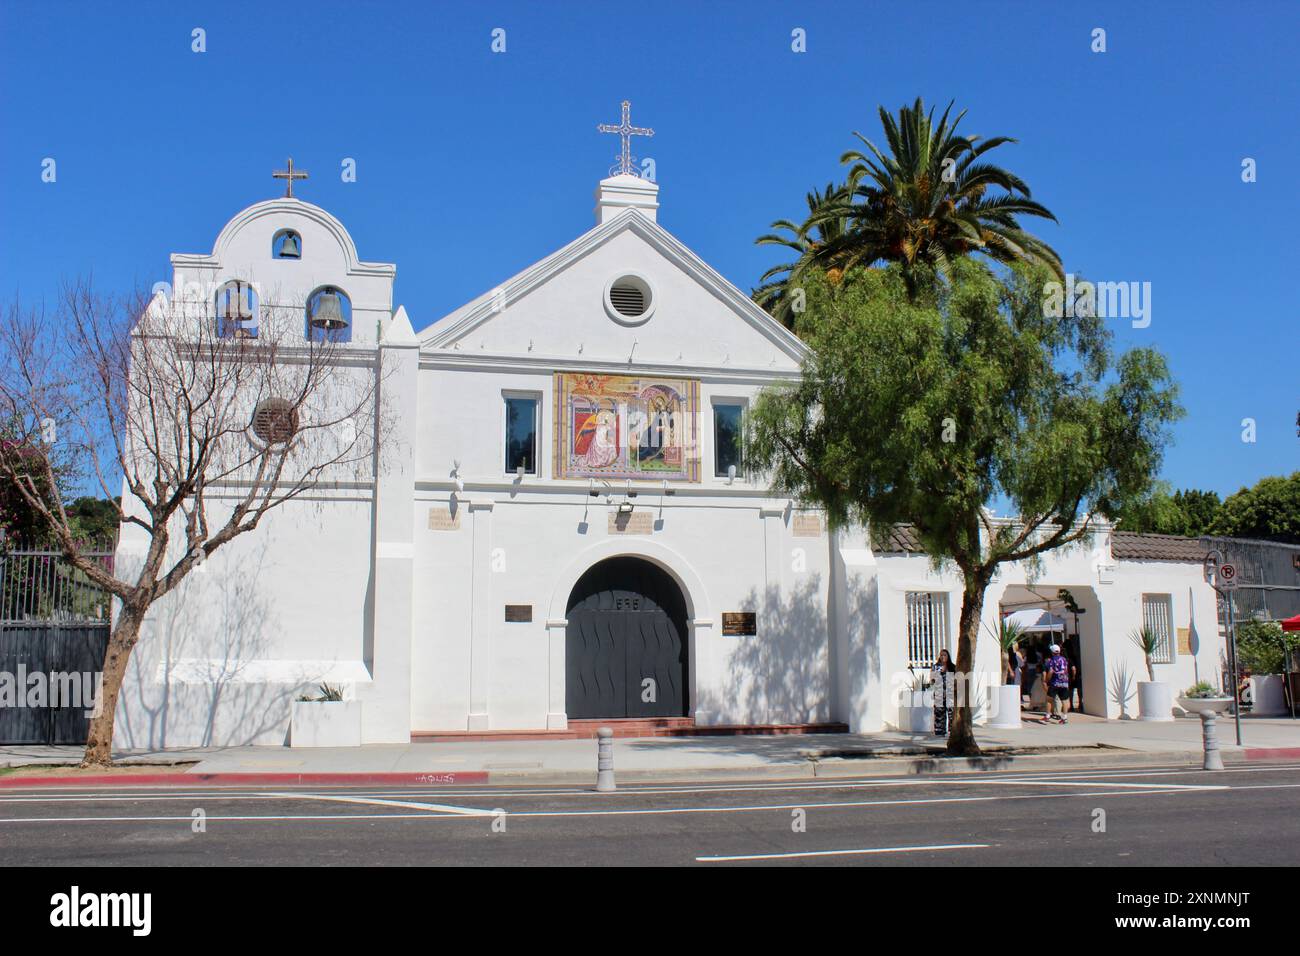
point(1082, 743)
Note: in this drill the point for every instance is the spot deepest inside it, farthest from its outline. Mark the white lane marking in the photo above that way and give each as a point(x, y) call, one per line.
point(55, 794)
point(1085, 777)
point(381, 802)
point(634, 812)
point(1109, 783)
point(277, 818)
point(878, 849)
point(842, 805)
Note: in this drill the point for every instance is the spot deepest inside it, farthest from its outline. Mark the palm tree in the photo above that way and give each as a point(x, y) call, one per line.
point(805, 240)
point(930, 200)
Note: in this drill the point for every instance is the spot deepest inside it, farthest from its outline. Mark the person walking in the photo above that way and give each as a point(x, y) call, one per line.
point(943, 678)
point(1056, 680)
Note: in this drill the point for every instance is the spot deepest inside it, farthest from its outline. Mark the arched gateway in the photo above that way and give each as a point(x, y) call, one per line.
point(625, 643)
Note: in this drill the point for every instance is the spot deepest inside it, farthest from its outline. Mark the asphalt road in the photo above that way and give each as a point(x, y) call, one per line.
point(1244, 816)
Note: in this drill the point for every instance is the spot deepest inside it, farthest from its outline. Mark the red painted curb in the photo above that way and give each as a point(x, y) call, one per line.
point(252, 779)
point(1272, 753)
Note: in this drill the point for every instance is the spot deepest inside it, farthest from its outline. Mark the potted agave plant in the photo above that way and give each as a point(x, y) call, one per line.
point(916, 710)
point(1202, 697)
point(1155, 698)
point(326, 720)
point(1007, 694)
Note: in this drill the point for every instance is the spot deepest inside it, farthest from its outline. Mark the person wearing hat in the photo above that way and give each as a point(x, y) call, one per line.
point(1056, 678)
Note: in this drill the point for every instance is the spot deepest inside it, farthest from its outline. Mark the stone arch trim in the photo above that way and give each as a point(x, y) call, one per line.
point(678, 568)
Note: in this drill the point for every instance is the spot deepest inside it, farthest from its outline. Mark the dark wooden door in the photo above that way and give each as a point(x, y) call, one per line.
point(625, 645)
point(69, 654)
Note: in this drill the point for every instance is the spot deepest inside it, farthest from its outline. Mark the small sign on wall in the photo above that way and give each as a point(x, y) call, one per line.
point(443, 519)
point(635, 522)
point(739, 623)
point(1184, 640)
point(519, 613)
point(806, 526)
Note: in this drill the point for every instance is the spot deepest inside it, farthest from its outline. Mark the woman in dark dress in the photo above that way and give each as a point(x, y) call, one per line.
point(943, 679)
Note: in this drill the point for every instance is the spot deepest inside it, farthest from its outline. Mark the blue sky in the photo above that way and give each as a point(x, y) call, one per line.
point(473, 164)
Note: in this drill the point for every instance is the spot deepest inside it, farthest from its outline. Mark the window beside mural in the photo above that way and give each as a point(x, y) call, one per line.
point(521, 434)
point(728, 429)
point(626, 426)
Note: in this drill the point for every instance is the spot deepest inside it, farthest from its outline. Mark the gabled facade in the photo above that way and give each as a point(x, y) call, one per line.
point(560, 526)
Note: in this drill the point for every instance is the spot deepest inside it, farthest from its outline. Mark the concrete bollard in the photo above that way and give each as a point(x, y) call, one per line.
point(1210, 737)
point(605, 760)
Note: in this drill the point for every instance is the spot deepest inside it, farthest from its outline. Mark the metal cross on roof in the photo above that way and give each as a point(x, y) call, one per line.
point(627, 131)
point(290, 175)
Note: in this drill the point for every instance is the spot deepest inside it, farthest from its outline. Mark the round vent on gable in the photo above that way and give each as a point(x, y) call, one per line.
point(629, 299)
point(275, 421)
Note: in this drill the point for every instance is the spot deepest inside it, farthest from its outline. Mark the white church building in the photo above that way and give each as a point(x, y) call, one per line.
point(562, 530)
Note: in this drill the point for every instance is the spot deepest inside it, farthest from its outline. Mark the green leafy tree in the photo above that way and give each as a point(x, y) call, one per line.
point(1154, 513)
point(1269, 510)
point(1189, 513)
point(1263, 646)
point(1199, 509)
point(95, 519)
point(921, 402)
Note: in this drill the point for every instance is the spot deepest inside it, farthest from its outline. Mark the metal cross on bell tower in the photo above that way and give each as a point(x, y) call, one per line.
point(626, 130)
point(290, 175)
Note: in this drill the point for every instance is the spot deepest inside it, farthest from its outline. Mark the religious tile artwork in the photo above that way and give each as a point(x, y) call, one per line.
point(626, 426)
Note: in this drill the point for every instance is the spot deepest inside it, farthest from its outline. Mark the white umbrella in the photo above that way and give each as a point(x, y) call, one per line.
point(1036, 619)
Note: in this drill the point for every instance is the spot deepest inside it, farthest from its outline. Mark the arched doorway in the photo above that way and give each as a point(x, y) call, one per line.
point(625, 643)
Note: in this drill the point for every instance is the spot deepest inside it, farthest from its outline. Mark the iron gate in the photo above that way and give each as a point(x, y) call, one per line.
point(54, 627)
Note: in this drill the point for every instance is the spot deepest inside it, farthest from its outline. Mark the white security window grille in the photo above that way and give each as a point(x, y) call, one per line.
point(1158, 614)
point(927, 627)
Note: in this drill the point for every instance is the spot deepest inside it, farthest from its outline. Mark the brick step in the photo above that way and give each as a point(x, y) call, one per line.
point(634, 726)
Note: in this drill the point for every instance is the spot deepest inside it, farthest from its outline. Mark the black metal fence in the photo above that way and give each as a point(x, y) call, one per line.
point(54, 625)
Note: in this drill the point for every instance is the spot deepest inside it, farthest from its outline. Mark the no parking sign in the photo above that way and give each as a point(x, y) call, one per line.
point(1227, 577)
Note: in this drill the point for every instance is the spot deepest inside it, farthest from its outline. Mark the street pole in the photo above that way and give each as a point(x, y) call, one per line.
point(1232, 643)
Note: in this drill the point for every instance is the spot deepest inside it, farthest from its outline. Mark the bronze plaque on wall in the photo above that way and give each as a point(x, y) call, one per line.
point(519, 613)
point(739, 623)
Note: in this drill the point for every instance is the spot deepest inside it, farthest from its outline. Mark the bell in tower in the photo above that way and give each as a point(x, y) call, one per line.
point(327, 313)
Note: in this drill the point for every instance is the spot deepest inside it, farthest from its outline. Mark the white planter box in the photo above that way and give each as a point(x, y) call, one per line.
point(916, 720)
point(1006, 704)
point(333, 723)
point(1268, 696)
point(1155, 700)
